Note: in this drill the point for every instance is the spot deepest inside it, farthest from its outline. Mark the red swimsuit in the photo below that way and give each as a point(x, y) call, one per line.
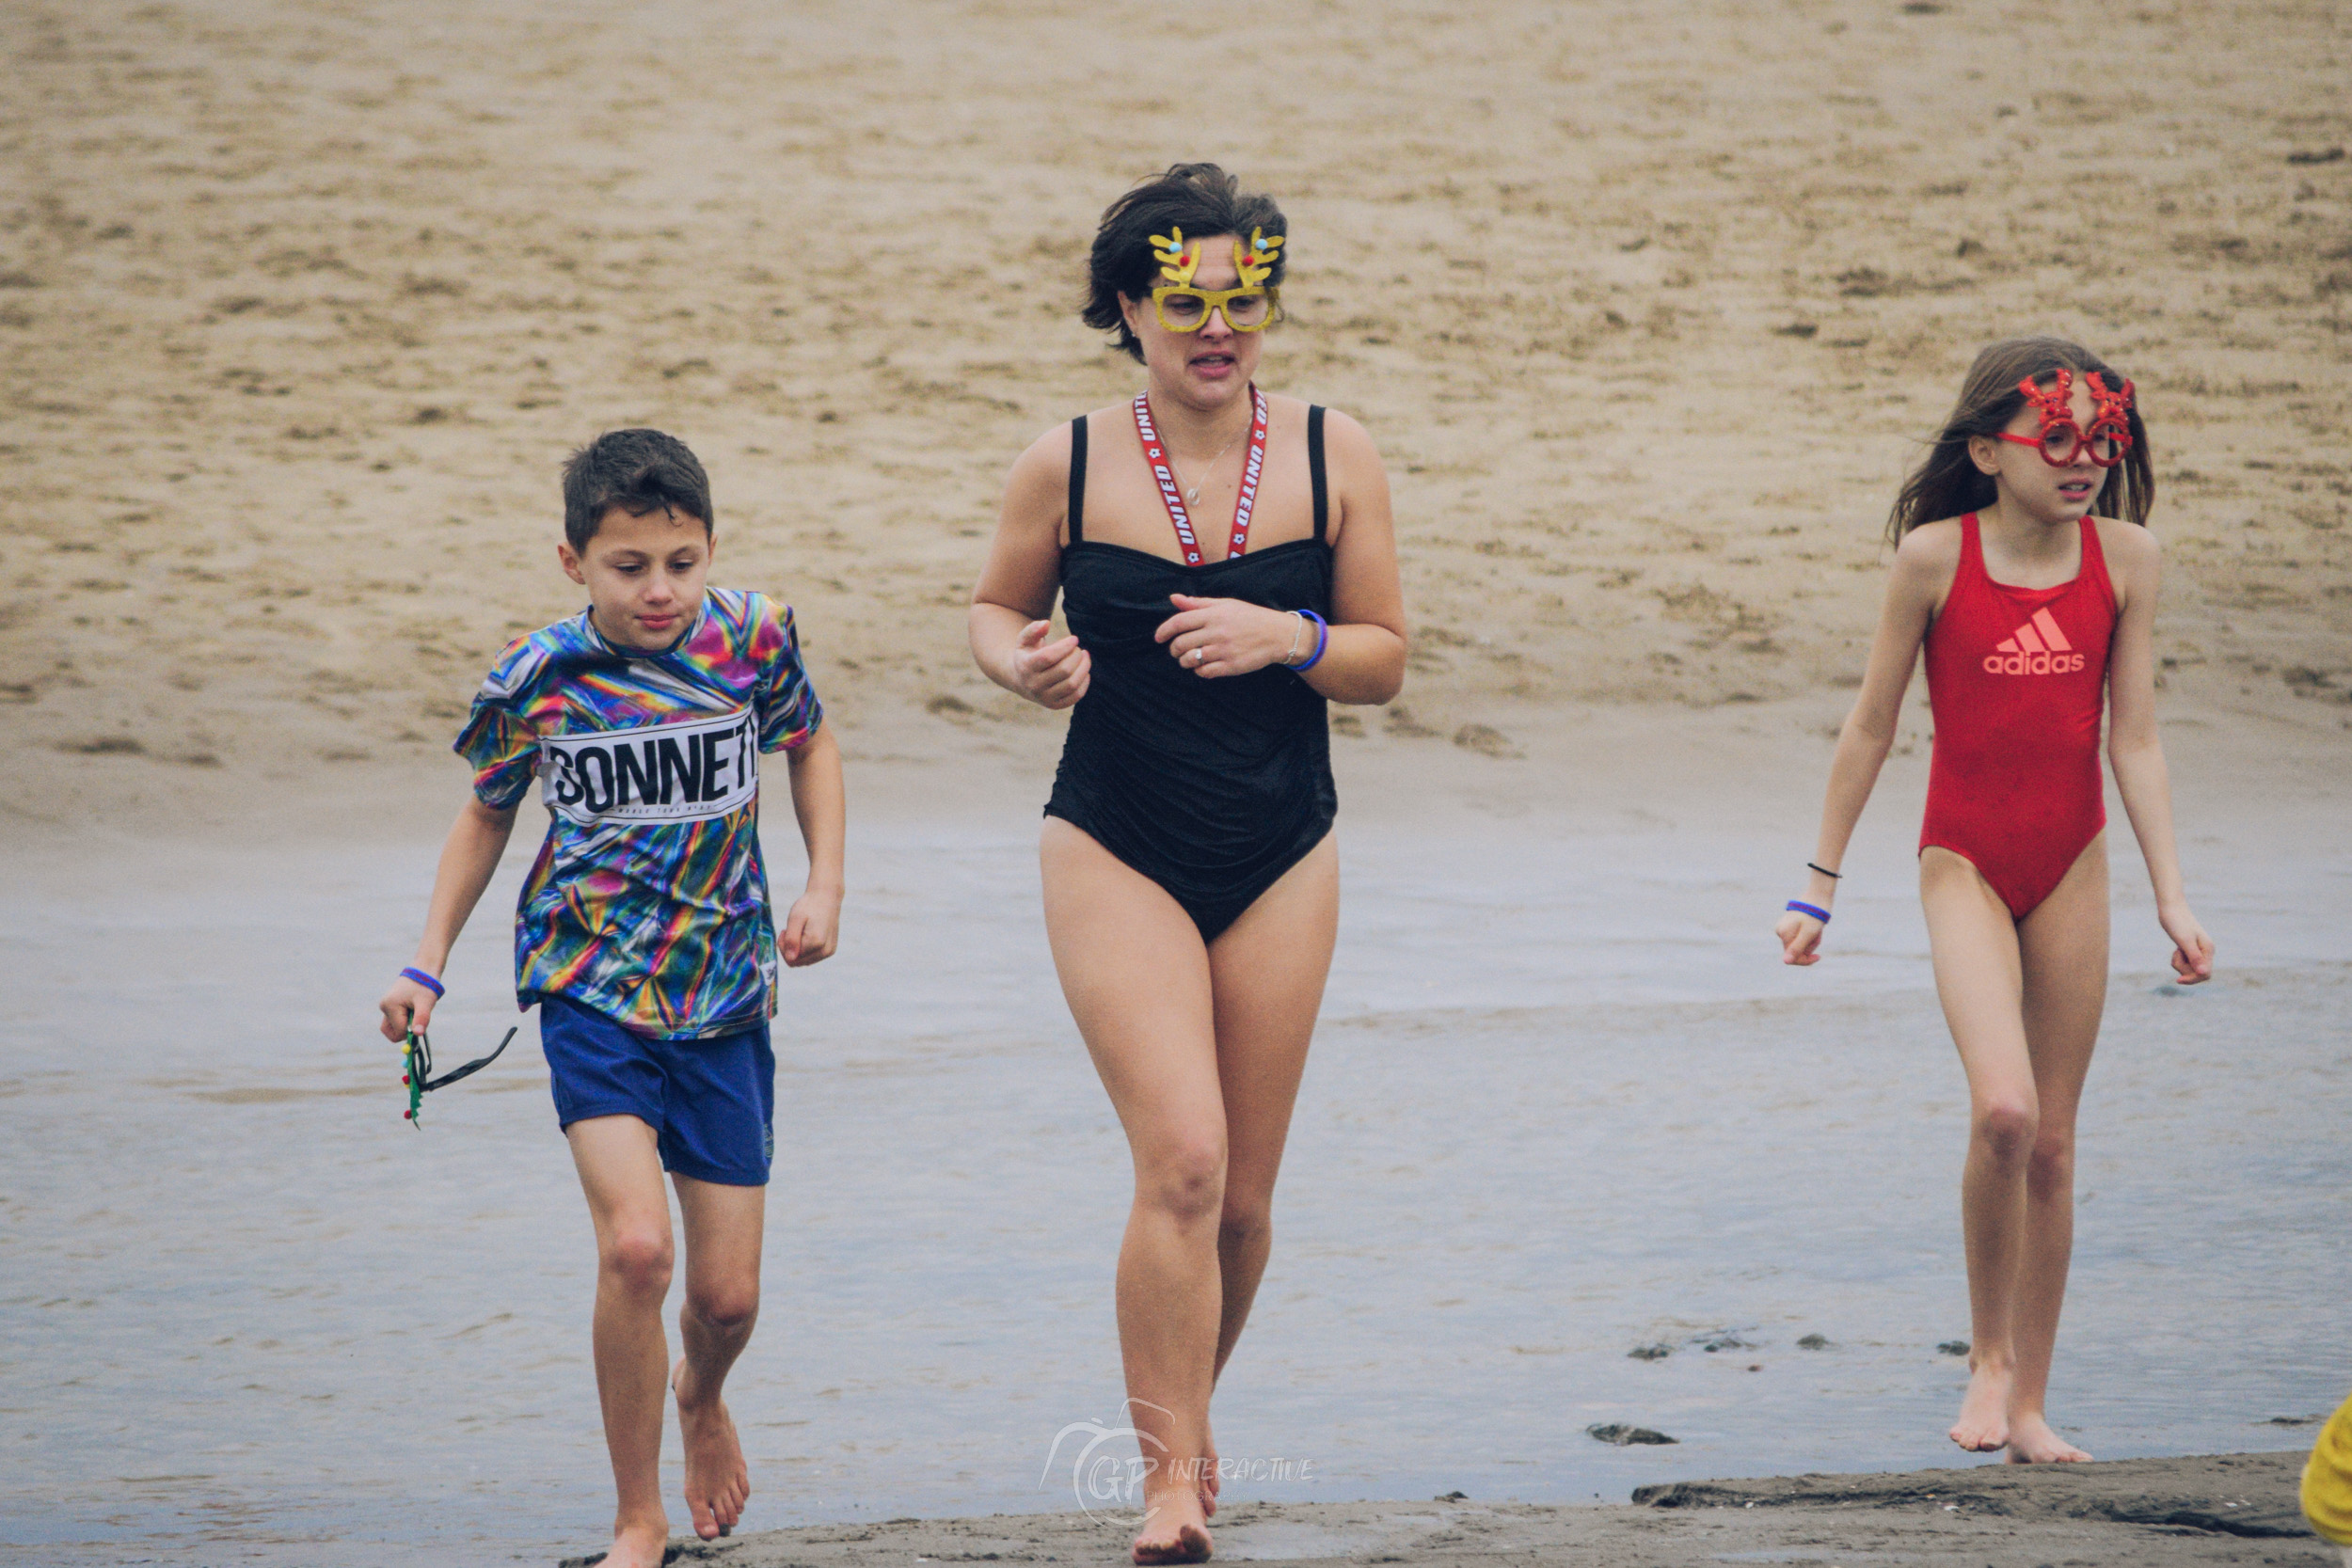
point(2017, 678)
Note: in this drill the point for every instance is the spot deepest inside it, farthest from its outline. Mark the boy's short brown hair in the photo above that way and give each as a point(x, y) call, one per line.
point(637, 471)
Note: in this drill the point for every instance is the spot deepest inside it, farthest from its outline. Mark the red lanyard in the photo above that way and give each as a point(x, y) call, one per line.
point(1252, 468)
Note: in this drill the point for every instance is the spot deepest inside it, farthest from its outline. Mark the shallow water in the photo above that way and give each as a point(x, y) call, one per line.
point(1565, 1103)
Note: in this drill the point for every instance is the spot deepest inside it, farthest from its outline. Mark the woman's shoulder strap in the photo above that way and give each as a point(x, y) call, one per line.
point(1315, 472)
point(1076, 516)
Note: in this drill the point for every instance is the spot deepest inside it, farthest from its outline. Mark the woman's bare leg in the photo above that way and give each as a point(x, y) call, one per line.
point(1136, 978)
point(1266, 973)
point(1979, 978)
point(2064, 945)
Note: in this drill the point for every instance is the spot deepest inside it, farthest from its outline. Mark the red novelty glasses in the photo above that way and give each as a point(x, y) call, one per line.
point(2060, 440)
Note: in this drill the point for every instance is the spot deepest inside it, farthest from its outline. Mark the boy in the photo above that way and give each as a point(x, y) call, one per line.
point(643, 933)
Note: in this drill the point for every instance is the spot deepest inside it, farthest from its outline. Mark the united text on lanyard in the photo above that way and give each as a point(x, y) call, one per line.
point(1252, 468)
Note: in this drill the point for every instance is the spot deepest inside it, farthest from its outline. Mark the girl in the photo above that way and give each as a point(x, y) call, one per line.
point(1191, 886)
point(2024, 564)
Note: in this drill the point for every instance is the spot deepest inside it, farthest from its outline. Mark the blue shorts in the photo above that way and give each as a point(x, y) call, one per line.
point(711, 1102)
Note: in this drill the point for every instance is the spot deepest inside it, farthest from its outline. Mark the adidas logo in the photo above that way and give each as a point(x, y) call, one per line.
point(2036, 648)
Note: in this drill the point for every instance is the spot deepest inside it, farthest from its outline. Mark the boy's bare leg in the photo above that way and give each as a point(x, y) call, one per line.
point(620, 1171)
point(2064, 943)
point(724, 1225)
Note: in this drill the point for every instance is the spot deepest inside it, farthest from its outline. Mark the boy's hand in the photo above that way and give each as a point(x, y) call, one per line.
point(407, 1008)
point(812, 930)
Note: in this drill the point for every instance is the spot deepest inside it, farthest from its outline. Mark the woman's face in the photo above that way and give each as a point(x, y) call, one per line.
point(1206, 368)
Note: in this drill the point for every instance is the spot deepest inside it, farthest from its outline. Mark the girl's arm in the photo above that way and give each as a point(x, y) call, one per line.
point(1015, 595)
point(812, 929)
point(2133, 747)
point(1363, 659)
point(470, 857)
point(1924, 566)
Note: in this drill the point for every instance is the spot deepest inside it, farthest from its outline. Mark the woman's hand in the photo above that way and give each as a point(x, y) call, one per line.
point(2192, 950)
point(1800, 938)
point(1230, 637)
point(1050, 675)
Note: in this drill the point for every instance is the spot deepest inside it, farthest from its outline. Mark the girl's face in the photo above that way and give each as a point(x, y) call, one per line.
point(2027, 481)
point(1207, 368)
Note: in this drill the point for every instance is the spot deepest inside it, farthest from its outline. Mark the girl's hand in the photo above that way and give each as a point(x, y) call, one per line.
point(812, 930)
point(1800, 938)
point(2192, 950)
point(407, 1008)
point(1050, 675)
point(1229, 636)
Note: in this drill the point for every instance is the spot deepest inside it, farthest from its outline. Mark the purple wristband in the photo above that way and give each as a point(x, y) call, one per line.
point(1323, 640)
point(427, 981)
point(1814, 909)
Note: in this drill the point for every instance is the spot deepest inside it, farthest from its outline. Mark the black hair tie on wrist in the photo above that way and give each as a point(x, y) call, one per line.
point(1832, 875)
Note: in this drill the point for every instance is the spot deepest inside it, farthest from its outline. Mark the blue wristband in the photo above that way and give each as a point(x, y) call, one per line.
point(427, 981)
point(1814, 909)
point(1323, 641)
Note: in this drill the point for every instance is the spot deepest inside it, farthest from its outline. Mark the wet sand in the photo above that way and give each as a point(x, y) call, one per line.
point(2234, 1509)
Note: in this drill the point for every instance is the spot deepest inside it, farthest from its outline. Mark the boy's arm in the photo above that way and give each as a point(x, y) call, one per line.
point(813, 930)
point(468, 859)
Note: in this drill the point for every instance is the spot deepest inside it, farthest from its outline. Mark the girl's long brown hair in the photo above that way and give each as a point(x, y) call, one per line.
point(1947, 482)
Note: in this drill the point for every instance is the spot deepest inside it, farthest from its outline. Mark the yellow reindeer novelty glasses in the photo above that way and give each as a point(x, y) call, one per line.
point(1247, 307)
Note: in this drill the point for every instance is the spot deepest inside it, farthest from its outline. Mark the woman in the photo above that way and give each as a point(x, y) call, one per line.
point(1191, 882)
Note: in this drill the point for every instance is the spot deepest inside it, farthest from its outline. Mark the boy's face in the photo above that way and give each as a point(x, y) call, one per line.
point(643, 576)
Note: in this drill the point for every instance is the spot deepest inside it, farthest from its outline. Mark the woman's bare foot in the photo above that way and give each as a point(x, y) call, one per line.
point(1175, 1528)
point(717, 1481)
point(640, 1545)
point(1210, 1479)
point(1983, 1424)
point(2032, 1442)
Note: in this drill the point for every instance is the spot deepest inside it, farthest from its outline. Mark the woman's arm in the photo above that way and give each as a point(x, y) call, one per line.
point(1015, 595)
point(1363, 659)
point(1923, 570)
point(470, 857)
point(812, 929)
point(2133, 747)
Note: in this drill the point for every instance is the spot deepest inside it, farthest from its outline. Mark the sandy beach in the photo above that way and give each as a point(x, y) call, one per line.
point(302, 303)
point(2140, 1513)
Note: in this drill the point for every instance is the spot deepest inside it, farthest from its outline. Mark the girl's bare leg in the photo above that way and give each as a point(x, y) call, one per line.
point(1139, 982)
point(1267, 976)
point(1978, 977)
point(620, 1171)
point(2064, 944)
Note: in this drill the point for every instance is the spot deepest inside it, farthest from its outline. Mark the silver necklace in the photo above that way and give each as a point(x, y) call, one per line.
point(1192, 492)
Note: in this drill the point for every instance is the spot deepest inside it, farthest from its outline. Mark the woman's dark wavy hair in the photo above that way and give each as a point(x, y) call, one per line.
point(1201, 199)
point(1947, 483)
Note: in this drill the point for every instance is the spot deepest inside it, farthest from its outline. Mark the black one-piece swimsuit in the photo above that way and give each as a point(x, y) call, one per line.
point(1212, 789)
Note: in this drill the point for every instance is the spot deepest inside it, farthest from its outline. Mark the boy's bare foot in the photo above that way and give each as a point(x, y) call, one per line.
point(717, 1481)
point(2032, 1442)
point(1983, 1424)
point(640, 1545)
point(1174, 1529)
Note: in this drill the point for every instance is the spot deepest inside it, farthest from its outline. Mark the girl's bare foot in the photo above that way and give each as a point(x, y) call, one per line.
point(2032, 1442)
point(1175, 1528)
point(717, 1482)
point(638, 1546)
point(1983, 1424)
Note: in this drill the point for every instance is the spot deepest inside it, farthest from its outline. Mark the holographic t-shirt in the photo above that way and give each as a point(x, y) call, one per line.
point(648, 902)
